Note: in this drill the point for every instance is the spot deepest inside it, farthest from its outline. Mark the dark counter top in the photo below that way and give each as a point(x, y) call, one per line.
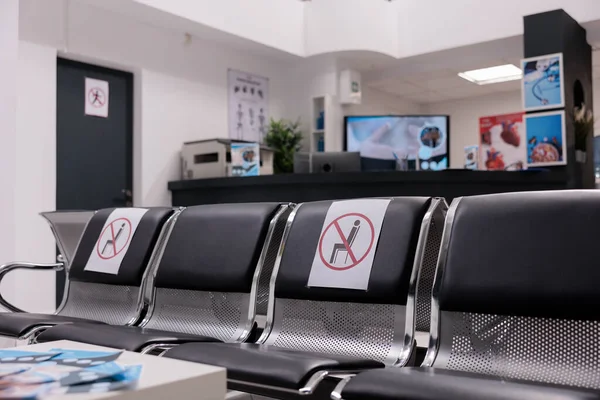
point(448, 176)
point(311, 187)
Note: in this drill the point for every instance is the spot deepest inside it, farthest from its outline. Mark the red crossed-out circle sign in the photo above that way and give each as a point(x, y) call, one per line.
point(96, 97)
point(114, 238)
point(335, 230)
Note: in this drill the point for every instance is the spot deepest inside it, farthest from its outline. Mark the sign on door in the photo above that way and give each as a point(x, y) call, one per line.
point(347, 244)
point(96, 97)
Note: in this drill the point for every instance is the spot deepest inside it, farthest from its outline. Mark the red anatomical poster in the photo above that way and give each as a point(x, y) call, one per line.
point(502, 144)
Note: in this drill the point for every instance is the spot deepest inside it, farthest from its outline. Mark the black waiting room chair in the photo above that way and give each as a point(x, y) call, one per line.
point(516, 305)
point(316, 332)
point(206, 284)
point(90, 296)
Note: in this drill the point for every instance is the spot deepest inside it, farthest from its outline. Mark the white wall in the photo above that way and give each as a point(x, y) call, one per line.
point(339, 25)
point(9, 65)
point(181, 94)
point(464, 118)
point(181, 88)
point(377, 102)
point(35, 187)
point(465, 22)
point(275, 23)
point(177, 110)
point(399, 29)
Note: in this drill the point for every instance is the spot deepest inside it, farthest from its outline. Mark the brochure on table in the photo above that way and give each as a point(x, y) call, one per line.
point(33, 375)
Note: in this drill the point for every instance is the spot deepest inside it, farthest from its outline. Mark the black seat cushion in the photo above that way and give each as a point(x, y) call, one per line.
point(267, 365)
point(439, 384)
point(138, 254)
point(17, 324)
point(215, 247)
point(392, 265)
point(121, 337)
point(508, 244)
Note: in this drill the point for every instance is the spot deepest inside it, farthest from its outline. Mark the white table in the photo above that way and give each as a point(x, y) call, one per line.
point(161, 378)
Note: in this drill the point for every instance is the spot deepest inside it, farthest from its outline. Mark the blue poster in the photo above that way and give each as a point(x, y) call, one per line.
point(245, 159)
point(546, 139)
point(543, 82)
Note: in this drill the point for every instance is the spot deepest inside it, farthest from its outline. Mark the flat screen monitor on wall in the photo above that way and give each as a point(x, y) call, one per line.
point(382, 139)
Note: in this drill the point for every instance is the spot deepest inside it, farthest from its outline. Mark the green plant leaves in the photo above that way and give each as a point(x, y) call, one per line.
point(285, 138)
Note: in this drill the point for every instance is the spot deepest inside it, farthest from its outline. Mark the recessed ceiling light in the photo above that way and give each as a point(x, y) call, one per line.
point(500, 73)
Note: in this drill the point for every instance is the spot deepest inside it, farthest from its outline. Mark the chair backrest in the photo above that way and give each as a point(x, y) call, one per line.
point(377, 323)
point(67, 228)
point(208, 277)
point(516, 292)
point(114, 298)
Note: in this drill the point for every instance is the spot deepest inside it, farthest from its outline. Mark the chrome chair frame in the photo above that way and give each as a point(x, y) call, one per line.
point(64, 260)
point(438, 205)
point(150, 289)
point(438, 351)
point(336, 394)
point(434, 332)
point(31, 334)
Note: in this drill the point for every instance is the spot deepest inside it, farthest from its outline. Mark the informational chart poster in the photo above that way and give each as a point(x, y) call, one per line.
point(546, 138)
point(96, 97)
point(248, 106)
point(502, 145)
point(543, 82)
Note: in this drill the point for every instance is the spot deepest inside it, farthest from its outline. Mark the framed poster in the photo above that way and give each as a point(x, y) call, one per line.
point(502, 144)
point(248, 106)
point(543, 82)
point(546, 139)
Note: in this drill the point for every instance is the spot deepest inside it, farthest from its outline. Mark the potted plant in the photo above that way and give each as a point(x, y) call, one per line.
point(583, 120)
point(284, 138)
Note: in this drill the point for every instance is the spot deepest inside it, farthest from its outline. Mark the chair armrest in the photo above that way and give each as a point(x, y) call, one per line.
point(6, 268)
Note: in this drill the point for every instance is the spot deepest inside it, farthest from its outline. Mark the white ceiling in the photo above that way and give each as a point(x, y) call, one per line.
point(441, 82)
point(437, 86)
point(421, 79)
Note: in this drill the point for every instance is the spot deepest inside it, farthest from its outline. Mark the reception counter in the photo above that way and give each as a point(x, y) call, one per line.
point(299, 188)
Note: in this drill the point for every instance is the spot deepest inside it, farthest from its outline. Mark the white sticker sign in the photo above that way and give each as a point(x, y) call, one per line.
point(96, 97)
point(114, 240)
point(346, 247)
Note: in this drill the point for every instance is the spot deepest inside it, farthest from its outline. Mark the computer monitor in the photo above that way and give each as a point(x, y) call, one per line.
point(326, 162)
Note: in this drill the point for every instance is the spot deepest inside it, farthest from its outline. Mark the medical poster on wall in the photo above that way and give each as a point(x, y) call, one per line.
point(543, 82)
point(546, 139)
point(248, 106)
point(502, 144)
